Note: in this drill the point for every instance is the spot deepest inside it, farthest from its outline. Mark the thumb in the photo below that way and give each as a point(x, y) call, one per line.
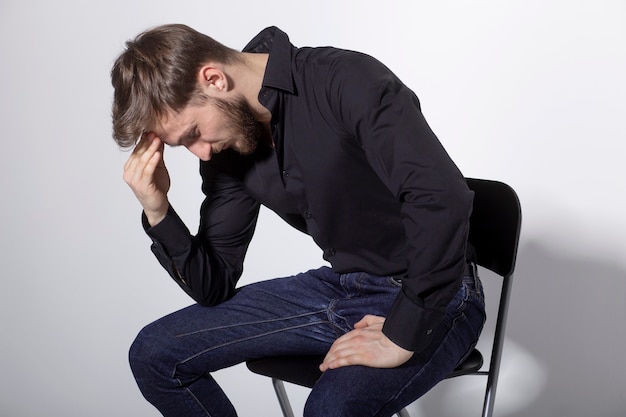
point(368, 320)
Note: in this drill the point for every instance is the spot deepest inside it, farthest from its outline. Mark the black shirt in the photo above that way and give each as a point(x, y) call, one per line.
point(355, 166)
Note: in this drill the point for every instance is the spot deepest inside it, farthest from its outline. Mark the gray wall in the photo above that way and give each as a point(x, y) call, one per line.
point(528, 92)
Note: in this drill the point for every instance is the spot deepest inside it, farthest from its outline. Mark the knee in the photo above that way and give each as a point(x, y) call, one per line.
point(147, 354)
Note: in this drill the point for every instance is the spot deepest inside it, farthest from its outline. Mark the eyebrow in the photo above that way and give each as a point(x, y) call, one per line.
point(187, 135)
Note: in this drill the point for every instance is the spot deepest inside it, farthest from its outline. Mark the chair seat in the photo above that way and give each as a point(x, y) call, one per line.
point(299, 370)
point(470, 365)
point(304, 370)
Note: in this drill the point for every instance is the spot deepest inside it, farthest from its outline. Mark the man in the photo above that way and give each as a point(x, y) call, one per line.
point(336, 145)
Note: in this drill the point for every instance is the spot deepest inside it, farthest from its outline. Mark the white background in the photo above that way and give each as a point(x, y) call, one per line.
point(527, 92)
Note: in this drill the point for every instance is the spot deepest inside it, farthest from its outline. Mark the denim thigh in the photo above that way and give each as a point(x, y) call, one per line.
point(172, 358)
point(298, 315)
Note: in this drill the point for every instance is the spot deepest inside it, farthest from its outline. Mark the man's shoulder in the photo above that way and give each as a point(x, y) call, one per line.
point(330, 55)
point(340, 64)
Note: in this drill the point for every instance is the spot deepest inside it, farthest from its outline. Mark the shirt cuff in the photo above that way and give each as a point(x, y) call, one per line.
point(409, 325)
point(171, 233)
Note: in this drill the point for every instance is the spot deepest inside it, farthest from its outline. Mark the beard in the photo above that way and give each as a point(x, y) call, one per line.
point(246, 131)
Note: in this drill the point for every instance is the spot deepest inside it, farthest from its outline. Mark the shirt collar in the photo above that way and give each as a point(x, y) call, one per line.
point(278, 71)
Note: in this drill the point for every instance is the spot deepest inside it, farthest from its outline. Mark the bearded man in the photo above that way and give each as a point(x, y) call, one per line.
point(334, 143)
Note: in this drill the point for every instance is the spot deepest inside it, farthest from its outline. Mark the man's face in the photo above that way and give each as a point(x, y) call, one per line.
point(211, 127)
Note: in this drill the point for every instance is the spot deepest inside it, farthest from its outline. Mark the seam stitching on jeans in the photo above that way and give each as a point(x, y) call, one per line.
point(241, 340)
point(195, 398)
point(250, 323)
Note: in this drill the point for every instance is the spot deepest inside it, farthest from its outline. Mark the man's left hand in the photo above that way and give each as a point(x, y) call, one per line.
point(365, 345)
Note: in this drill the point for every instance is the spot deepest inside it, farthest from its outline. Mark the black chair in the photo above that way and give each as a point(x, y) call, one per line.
point(494, 233)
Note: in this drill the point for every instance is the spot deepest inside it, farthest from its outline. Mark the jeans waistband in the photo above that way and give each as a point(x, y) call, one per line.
point(470, 271)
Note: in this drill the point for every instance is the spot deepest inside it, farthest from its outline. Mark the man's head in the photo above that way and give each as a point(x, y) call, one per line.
point(157, 76)
point(210, 126)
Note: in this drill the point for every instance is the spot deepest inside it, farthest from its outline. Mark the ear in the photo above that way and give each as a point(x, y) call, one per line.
point(213, 79)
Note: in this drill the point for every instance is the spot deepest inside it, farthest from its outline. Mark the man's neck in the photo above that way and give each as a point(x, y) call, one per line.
point(248, 78)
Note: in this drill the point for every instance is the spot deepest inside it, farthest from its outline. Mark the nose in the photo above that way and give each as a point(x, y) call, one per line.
point(200, 149)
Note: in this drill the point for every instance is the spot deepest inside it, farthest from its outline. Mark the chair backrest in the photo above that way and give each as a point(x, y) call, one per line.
point(495, 225)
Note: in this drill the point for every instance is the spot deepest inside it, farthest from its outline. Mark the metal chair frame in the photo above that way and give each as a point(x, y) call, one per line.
point(495, 226)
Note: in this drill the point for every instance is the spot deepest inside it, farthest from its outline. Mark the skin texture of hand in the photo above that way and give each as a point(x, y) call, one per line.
point(147, 176)
point(365, 345)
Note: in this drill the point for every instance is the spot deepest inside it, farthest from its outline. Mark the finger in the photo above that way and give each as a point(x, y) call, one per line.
point(343, 348)
point(139, 166)
point(361, 323)
point(358, 336)
point(342, 357)
point(145, 144)
point(147, 175)
point(156, 159)
point(369, 320)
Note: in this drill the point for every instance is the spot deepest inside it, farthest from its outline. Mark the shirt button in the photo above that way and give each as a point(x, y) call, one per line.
point(308, 214)
point(285, 174)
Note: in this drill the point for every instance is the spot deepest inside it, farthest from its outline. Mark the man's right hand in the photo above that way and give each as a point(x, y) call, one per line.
point(147, 176)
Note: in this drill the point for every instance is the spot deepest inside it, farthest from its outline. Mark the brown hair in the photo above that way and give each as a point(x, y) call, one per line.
point(157, 73)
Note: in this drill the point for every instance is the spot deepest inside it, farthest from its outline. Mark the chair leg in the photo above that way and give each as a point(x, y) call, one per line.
point(489, 399)
point(283, 400)
point(403, 413)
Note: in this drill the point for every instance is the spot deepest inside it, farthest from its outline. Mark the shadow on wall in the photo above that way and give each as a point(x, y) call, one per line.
point(564, 349)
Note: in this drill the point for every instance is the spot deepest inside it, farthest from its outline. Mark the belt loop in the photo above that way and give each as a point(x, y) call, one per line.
point(471, 270)
point(477, 283)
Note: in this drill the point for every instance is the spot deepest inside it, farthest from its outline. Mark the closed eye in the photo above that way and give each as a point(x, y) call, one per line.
point(190, 136)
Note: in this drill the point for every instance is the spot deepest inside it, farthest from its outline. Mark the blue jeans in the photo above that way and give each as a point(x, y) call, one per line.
point(173, 357)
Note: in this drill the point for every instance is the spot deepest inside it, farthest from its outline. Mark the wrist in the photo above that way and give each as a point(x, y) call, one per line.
point(155, 217)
